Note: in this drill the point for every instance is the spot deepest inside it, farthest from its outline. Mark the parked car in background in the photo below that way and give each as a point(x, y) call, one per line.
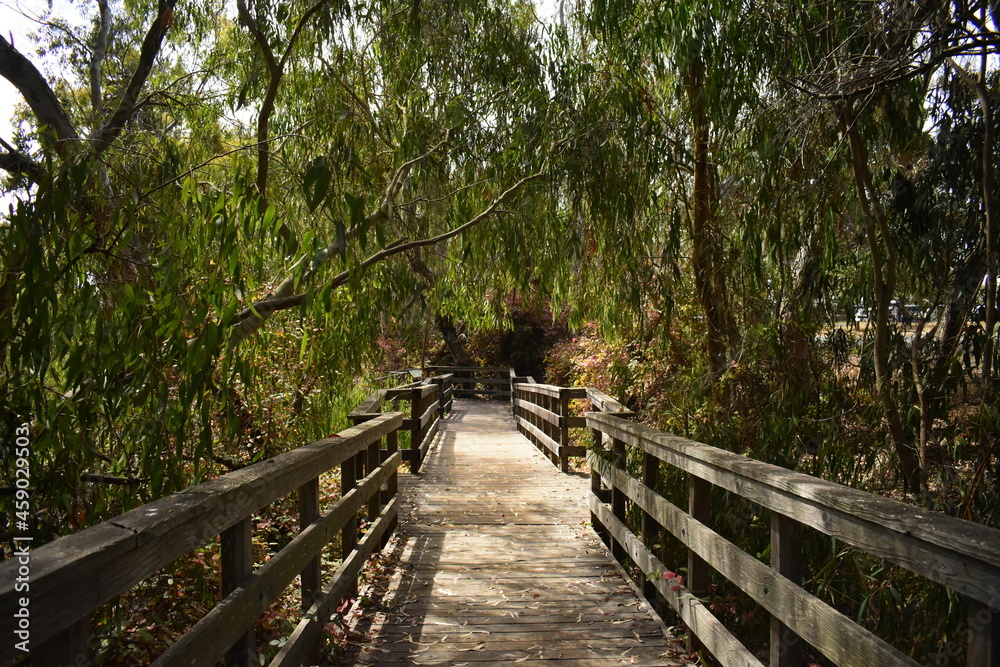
point(899, 313)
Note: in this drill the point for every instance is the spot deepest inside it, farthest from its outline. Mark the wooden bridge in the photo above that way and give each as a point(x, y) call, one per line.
point(494, 554)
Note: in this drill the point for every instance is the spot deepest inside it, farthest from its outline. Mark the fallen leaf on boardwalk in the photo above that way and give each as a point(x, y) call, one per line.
point(522, 659)
point(476, 632)
point(477, 647)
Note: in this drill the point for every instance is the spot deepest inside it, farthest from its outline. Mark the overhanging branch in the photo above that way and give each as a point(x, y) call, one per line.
point(253, 318)
point(36, 92)
point(18, 163)
point(151, 45)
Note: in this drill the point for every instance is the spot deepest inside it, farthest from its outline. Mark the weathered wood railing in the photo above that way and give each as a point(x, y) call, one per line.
point(544, 415)
point(428, 400)
point(471, 381)
point(959, 554)
point(72, 576)
point(431, 398)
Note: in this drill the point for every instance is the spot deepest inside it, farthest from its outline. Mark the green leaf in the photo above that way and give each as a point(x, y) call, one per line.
point(342, 240)
point(358, 218)
point(316, 182)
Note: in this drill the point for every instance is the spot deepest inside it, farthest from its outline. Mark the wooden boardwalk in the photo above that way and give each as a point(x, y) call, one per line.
point(493, 564)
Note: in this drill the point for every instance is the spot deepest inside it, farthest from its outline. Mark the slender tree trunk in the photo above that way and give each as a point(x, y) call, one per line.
point(883, 254)
point(453, 340)
point(796, 310)
point(989, 210)
point(704, 236)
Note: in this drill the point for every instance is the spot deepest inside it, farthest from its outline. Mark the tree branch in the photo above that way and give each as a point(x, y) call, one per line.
point(275, 71)
point(253, 318)
point(97, 61)
point(36, 92)
point(18, 163)
point(151, 45)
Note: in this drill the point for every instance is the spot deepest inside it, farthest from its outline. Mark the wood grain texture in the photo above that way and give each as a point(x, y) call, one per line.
point(494, 563)
point(959, 554)
point(711, 632)
point(103, 561)
point(832, 633)
point(208, 639)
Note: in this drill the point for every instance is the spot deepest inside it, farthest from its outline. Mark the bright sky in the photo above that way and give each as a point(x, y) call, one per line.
point(17, 28)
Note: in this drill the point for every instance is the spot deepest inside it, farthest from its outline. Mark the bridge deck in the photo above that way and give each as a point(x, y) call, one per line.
point(493, 564)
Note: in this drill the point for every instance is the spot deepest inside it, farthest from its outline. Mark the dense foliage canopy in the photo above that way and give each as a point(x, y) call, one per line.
point(771, 224)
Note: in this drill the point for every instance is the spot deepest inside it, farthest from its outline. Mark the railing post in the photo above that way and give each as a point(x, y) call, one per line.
point(392, 486)
point(237, 565)
point(373, 463)
point(552, 430)
point(415, 402)
point(984, 635)
point(618, 496)
point(786, 559)
point(515, 396)
point(311, 577)
point(72, 646)
point(650, 527)
point(595, 488)
point(699, 508)
point(564, 429)
point(349, 533)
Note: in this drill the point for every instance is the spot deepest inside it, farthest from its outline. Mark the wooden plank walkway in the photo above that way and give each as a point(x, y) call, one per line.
point(493, 564)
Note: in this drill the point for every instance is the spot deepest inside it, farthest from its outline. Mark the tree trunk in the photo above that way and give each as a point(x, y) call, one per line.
point(989, 210)
point(883, 254)
point(709, 281)
point(454, 341)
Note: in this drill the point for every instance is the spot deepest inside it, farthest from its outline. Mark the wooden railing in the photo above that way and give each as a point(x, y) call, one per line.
point(471, 381)
point(544, 415)
point(74, 575)
point(428, 401)
point(959, 554)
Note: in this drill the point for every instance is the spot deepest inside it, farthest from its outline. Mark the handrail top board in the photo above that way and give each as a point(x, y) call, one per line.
point(370, 405)
point(468, 369)
point(607, 404)
point(971, 540)
point(403, 392)
point(128, 548)
point(551, 390)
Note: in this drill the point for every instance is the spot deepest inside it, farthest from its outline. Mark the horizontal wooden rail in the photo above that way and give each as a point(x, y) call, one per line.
point(479, 370)
point(74, 575)
point(959, 554)
point(476, 380)
point(224, 624)
point(542, 414)
point(430, 399)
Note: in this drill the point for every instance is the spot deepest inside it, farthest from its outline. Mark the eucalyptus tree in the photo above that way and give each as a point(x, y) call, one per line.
point(697, 72)
point(872, 66)
point(294, 159)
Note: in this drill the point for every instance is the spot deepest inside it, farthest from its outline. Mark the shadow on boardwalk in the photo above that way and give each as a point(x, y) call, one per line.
point(494, 564)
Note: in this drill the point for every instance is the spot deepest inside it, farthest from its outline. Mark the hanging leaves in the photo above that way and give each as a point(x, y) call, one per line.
point(316, 183)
